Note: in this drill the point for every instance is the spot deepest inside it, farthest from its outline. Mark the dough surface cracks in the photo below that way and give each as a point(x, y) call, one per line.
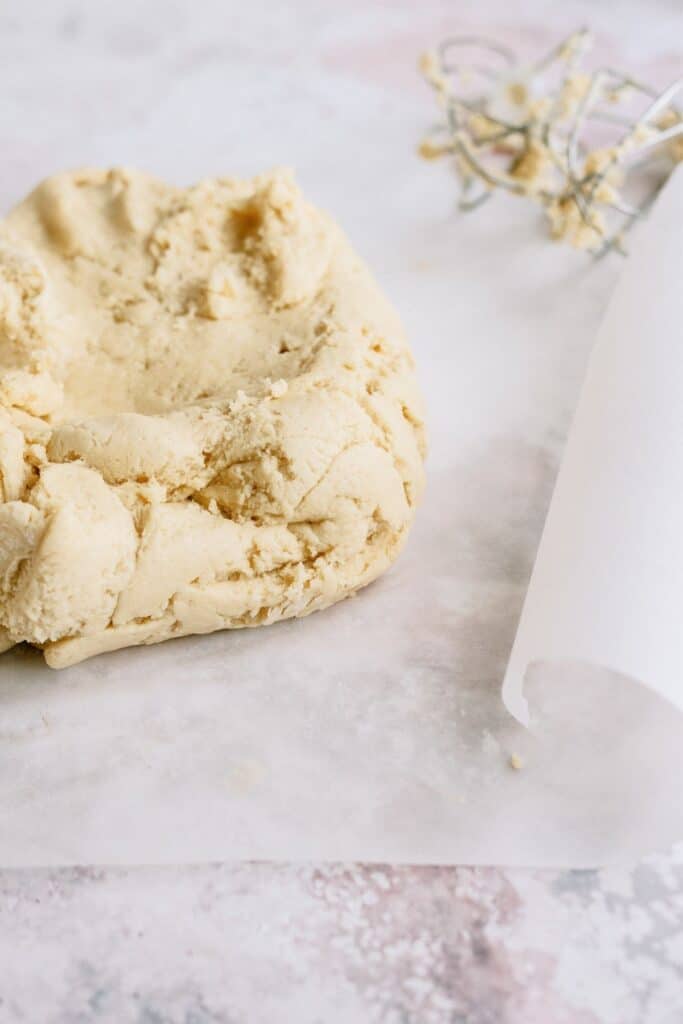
point(209, 417)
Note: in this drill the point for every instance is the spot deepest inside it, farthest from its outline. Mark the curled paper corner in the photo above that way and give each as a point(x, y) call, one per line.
point(606, 752)
point(526, 683)
point(607, 585)
point(527, 687)
point(514, 692)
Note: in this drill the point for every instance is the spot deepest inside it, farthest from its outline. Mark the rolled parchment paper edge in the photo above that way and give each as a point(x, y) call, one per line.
point(608, 576)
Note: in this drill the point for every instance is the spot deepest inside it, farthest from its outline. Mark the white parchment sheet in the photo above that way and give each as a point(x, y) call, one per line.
point(607, 587)
point(376, 730)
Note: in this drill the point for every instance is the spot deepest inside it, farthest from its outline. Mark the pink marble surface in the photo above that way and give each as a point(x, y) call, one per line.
point(343, 944)
point(276, 943)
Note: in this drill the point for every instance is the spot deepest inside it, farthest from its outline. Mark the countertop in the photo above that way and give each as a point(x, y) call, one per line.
point(193, 89)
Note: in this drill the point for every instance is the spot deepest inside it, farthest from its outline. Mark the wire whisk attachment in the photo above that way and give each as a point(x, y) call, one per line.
point(592, 147)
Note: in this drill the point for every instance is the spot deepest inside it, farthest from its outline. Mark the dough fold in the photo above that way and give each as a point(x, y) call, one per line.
point(209, 416)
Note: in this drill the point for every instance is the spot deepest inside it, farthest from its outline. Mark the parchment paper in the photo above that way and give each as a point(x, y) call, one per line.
point(607, 587)
point(376, 730)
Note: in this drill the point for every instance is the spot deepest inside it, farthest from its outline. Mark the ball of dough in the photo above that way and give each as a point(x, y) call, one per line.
point(208, 412)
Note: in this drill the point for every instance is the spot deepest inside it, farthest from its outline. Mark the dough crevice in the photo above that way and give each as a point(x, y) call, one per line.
point(209, 417)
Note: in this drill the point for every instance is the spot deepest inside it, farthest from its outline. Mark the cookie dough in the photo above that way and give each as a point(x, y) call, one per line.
point(208, 412)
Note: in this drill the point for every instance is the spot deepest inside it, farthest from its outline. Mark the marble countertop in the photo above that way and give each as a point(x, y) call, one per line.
point(342, 945)
point(184, 89)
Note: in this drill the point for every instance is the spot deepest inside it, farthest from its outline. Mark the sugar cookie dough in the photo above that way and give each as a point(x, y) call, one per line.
point(208, 413)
